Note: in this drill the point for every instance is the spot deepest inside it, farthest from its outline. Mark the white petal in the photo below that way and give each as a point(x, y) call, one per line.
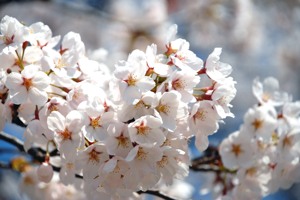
point(201, 141)
point(37, 96)
point(14, 80)
point(19, 96)
point(56, 121)
point(41, 80)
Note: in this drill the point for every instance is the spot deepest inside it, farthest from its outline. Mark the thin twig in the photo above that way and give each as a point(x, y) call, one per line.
point(156, 193)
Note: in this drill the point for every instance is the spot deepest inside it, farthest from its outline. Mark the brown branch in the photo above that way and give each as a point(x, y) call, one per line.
point(156, 193)
point(211, 169)
point(12, 140)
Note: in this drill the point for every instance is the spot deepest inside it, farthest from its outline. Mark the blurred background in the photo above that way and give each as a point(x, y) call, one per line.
point(259, 39)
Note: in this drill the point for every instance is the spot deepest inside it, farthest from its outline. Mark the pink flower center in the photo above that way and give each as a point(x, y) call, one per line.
point(94, 122)
point(257, 123)
point(27, 83)
point(131, 81)
point(123, 141)
point(236, 149)
point(8, 40)
point(142, 129)
point(94, 156)
point(66, 134)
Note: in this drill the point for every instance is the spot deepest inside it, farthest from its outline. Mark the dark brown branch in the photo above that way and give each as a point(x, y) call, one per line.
point(12, 140)
point(156, 193)
point(37, 153)
point(211, 169)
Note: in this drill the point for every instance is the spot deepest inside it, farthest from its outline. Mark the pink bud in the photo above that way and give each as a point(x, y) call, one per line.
point(45, 172)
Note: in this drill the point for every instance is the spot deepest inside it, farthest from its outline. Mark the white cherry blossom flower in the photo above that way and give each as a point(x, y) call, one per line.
point(91, 158)
point(112, 178)
point(222, 95)
point(66, 130)
point(28, 112)
point(261, 121)
point(71, 44)
point(268, 92)
point(203, 121)
point(12, 32)
point(142, 162)
point(291, 112)
point(169, 109)
point(146, 131)
point(215, 69)
point(257, 174)
point(184, 58)
point(30, 85)
point(96, 120)
point(141, 107)
point(132, 81)
point(41, 35)
point(29, 183)
point(79, 93)
point(157, 63)
point(67, 171)
point(248, 190)
point(118, 142)
point(16, 59)
point(63, 65)
point(288, 144)
point(171, 165)
point(45, 172)
point(35, 134)
point(284, 174)
point(183, 82)
point(237, 150)
point(54, 104)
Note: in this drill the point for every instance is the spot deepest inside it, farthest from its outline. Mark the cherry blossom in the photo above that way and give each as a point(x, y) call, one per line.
point(168, 109)
point(120, 130)
point(237, 150)
point(145, 131)
point(12, 32)
point(223, 94)
point(118, 142)
point(157, 63)
point(91, 158)
point(268, 91)
point(131, 76)
point(182, 57)
point(203, 121)
point(30, 84)
point(264, 151)
point(96, 120)
point(182, 82)
point(215, 69)
point(66, 130)
point(261, 121)
point(45, 172)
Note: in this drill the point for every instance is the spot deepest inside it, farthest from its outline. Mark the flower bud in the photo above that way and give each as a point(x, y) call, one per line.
point(45, 172)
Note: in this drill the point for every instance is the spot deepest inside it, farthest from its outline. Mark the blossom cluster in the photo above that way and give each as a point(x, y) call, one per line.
point(264, 152)
point(121, 132)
